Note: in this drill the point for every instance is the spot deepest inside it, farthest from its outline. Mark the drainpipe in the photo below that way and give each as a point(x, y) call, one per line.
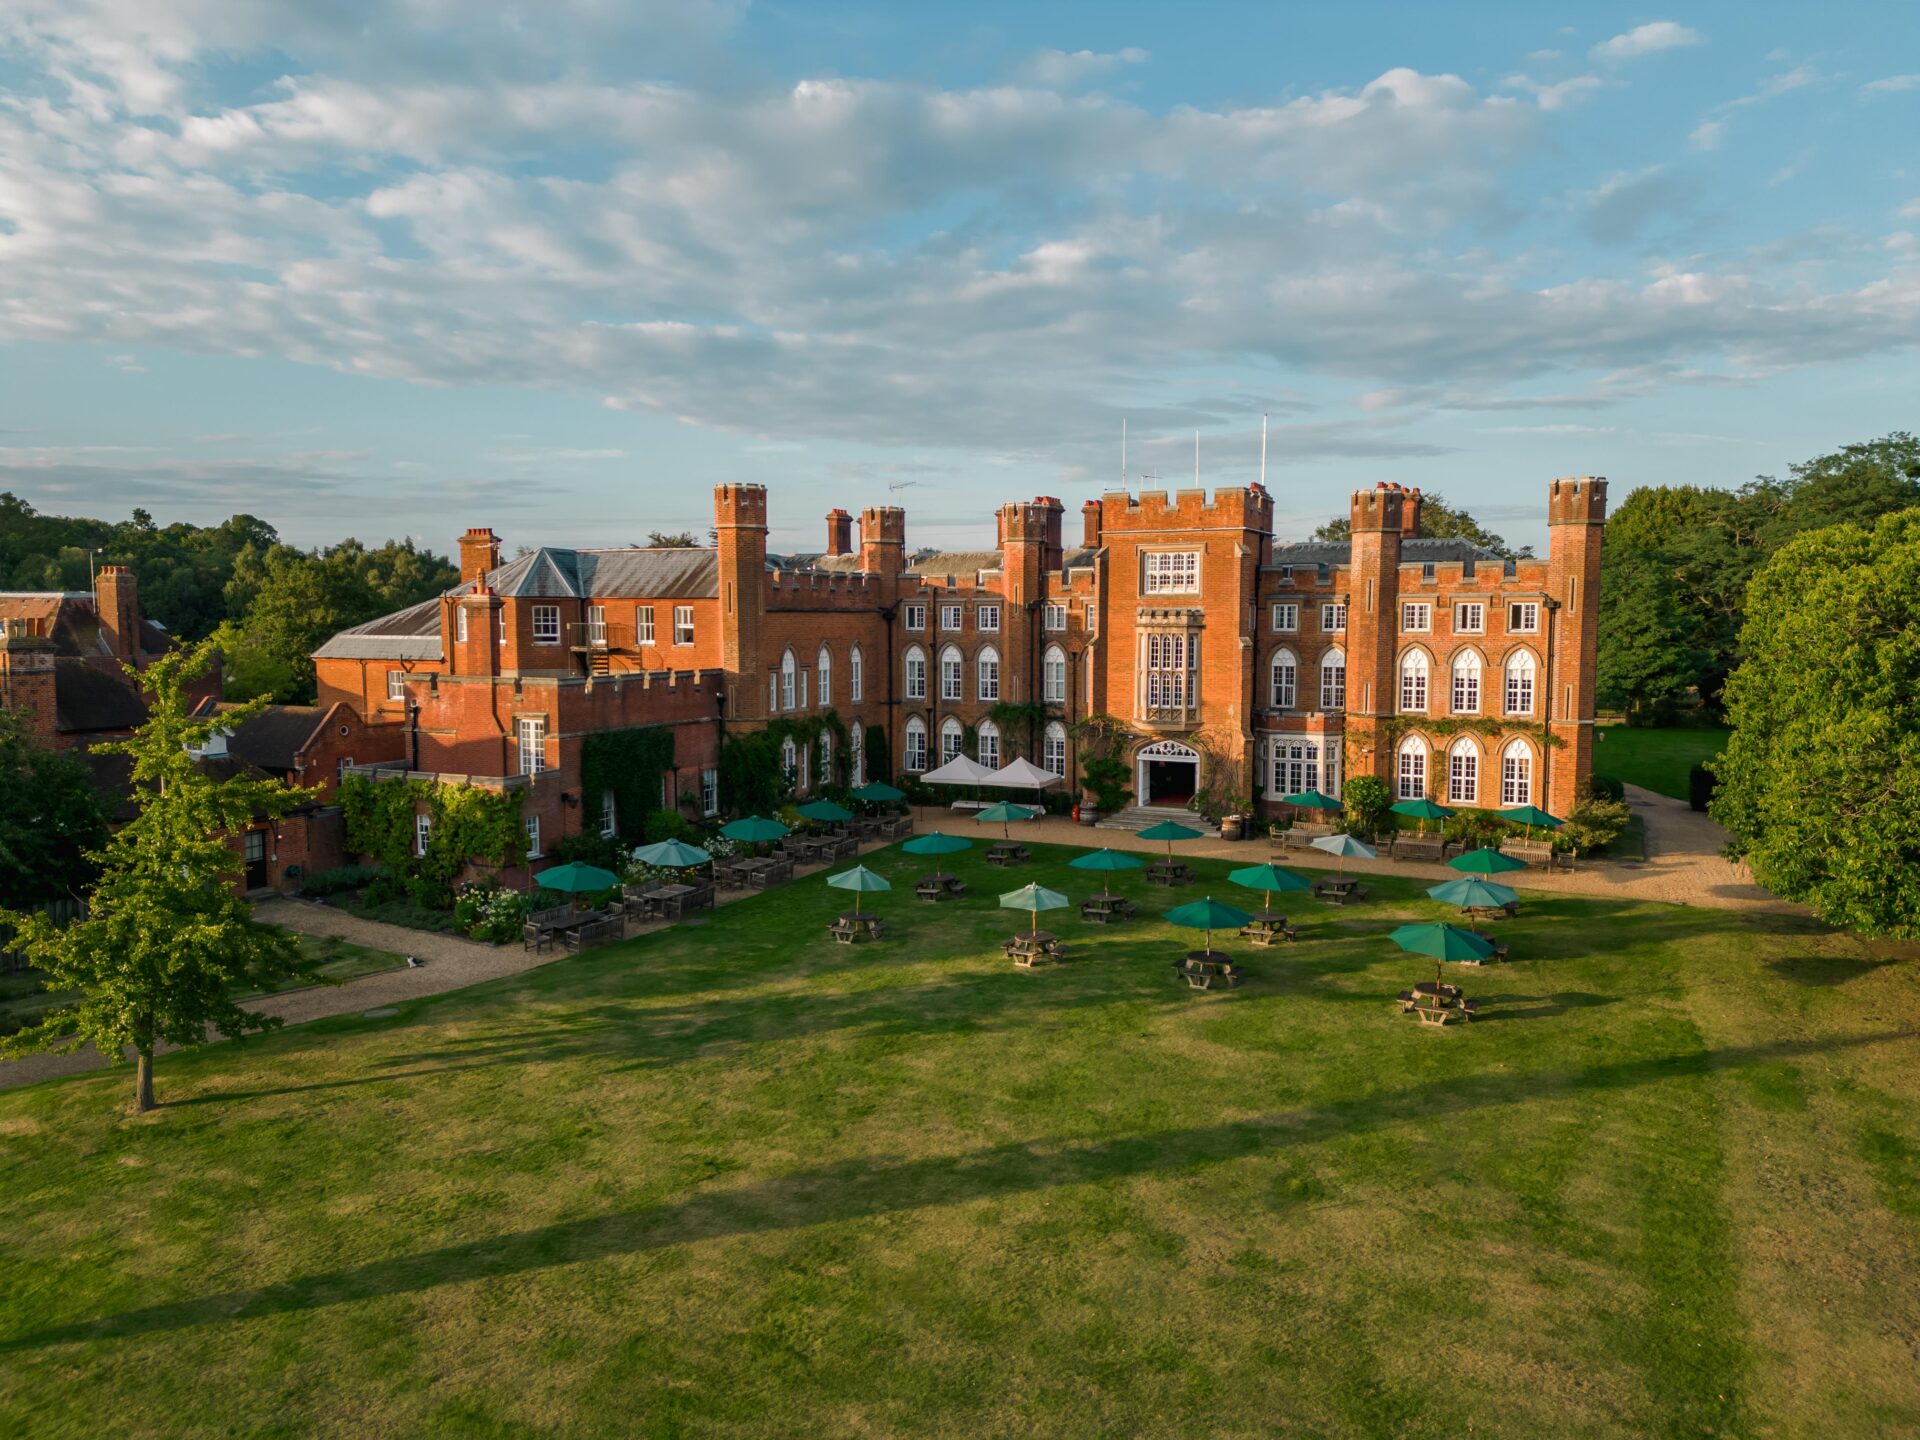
point(1546, 708)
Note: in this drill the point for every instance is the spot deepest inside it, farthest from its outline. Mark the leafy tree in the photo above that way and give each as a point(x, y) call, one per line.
point(51, 819)
point(166, 941)
point(287, 602)
point(1593, 823)
point(1367, 800)
point(682, 540)
point(1441, 521)
point(1649, 658)
point(1820, 781)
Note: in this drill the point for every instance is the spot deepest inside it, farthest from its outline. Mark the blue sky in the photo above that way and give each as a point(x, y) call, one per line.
point(400, 268)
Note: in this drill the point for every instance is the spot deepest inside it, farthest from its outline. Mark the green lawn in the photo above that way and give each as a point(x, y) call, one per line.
point(23, 1000)
point(733, 1179)
point(1654, 759)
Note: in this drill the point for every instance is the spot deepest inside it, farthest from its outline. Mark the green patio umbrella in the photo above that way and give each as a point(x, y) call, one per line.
point(1313, 800)
point(1105, 861)
point(576, 877)
point(1442, 942)
point(1474, 892)
point(1485, 862)
point(861, 881)
point(878, 792)
point(936, 843)
point(1530, 816)
point(1001, 812)
point(1208, 915)
point(1270, 879)
point(1034, 899)
point(825, 810)
point(1170, 831)
point(1343, 848)
point(753, 829)
point(672, 855)
point(1422, 810)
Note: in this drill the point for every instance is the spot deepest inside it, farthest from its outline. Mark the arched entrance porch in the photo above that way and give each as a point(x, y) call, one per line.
point(1165, 773)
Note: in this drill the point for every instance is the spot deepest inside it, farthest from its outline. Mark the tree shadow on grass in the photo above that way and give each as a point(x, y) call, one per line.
point(1497, 1008)
point(876, 1185)
point(1827, 970)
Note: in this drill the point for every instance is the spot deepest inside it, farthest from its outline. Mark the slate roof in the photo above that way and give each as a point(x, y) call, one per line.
point(87, 698)
point(952, 562)
point(274, 738)
point(410, 634)
point(72, 622)
point(1421, 550)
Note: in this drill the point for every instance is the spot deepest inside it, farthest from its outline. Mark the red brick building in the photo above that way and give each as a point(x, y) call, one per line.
point(1233, 662)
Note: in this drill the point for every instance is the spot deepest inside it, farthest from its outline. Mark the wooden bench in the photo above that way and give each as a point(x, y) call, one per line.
point(1433, 1014)
point(536, 938)
point(846, 933)
point(1467, 1007)
point(597, 932)
point(1264, 935)
point(1406, 1002)
point(1434, 850)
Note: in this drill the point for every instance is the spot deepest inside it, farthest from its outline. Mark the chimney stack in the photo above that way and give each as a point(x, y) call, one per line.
point(1410, 514)
point(116, 599)
point(479, 554)
point(839, 532)
point(1090, 514)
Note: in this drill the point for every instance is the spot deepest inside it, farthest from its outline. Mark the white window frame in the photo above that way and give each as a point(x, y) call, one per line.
point(856, 675)
point(643, 631)
point(422, 833)
point(460, 624)
point(953, 739)
point(913, 756)
point(1286, 617)
point(1469, 617)
point(790, 763)
point(1416, 682)
point(534, 852)
point(823, 673)
point(1466, 689)
point(914, 616)
point(396, 684)
point(1333, 680)
point(986, 619)
point(857, 742)
point(1283, 680)
point(1053, 675)
point(789, 678)
point(1333, 617)
point(1522, 683)
point(1171, 572)
point(531, 732)
point(1056, 617)
point(1523, 617)
point(1053, 748)
point(1463, 773)
point(913, 666)
point(1294, 764)
point(953, 674)
point(546, 624)
point(683, 625)
point(1416, 617)
point(1410, 770)
point(609, 816)
point(986, 669)
point(1516, 774)
point(986, 739)
point(952, 618)
point(709, 792)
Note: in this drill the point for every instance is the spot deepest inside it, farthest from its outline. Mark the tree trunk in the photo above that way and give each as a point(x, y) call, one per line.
point(143, 1081)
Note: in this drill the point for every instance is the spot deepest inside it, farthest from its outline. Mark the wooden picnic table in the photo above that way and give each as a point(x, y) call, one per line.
point(1169, 872)
point(1105, 909)
point(1491, 912)
point(1436, 1003)
point(1031, 946)
point(851, 926)
point(1206, 968)
point(939, 885)
point(1265, 928)
point(1007, 852)
point(1499, 946)
point(1339, 889)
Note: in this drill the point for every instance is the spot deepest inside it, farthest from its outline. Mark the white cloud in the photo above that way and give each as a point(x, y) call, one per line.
point(1707, 135)
point(1560, 94)
point(1648, 39)
point(1891, 85)
point(1909, 211)
point(1061, 69)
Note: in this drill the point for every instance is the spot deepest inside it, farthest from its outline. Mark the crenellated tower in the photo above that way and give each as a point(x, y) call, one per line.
point(1576, 521)
point(740, 527)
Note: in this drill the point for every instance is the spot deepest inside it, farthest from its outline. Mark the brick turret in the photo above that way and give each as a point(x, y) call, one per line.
point(27, 677)
point(740, 528)
point(883, 545)
point(1576, 520)
point(479, 554)
point(116, 598)
point(1378, 521)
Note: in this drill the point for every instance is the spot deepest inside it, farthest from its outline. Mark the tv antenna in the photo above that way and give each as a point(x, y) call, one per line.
point(903, 484)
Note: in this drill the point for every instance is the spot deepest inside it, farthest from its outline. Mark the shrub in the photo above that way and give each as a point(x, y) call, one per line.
point(1368, 802)
point(1475, 828)
point(1700, 787)
point(344, 877)
point(1593, 824)
point(1105, 777)
point(666, 825)
point(1605, 787)
point(593, 849)
point(491, 912)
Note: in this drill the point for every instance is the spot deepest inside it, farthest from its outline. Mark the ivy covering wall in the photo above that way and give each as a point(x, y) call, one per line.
point(628, 763)
point(753, 781)
point(467, 824)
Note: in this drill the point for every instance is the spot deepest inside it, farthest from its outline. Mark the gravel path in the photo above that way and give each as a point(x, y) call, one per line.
point(1683, 866)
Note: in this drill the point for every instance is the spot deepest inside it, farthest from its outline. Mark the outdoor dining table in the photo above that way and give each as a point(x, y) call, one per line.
point(851, 926)
point(1265, 928)
point(1491, 912)
point(1104, 909)
point(1169, 872)
point(939, 885)
point(1203, 967)
point(1437, 990)
point(1033, 945)
point(1007, 852)
point(768, 871)
point(674, 901)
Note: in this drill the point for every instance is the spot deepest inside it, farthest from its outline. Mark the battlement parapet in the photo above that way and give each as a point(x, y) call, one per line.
point(1231, 507)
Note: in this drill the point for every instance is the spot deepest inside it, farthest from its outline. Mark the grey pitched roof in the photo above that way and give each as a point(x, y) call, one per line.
point(274, 738)
point(952, 562)
point(628, 572)
point(86, 697)
point(410, 634)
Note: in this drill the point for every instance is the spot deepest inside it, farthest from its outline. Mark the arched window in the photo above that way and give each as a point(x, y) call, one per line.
point(988, 665)
point(857, 739)
point(1516, 774)
point(826, 757)
point(914, 757)
point(950, 673)
point(1413, 682)
point(856, 680)
point(790, 761)
point(916, 672)
point(1333, 680)
point(1413, 769)
point(1282, 675)
point(788, 671)
point(1463, 773)
point(1053, 748)
point(1520, 683)
point(1053, 675)
point(951, 735)
point(823, 667)
point(1466, 683)
point(988, 736)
